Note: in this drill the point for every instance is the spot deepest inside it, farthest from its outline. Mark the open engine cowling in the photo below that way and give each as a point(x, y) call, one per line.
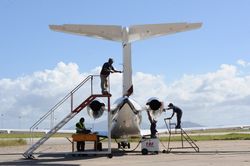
point(155, 107)
point(95, 109)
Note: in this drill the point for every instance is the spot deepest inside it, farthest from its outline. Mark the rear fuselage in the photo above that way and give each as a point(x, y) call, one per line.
point(126, 119)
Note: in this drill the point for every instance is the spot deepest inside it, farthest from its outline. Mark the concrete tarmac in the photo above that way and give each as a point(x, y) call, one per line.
point(212, 153)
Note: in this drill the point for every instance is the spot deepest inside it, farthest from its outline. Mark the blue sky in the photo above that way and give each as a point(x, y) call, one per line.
point(28, 46)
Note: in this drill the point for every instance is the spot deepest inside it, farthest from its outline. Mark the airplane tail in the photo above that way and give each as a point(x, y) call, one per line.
point(108, 32)
point(115, 32)
point(125, 35)
point(141, 32)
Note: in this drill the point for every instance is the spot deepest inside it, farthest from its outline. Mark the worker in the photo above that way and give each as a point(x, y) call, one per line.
point(153, 122)
point(178, 112)
point(107, 68)
point(80, 128)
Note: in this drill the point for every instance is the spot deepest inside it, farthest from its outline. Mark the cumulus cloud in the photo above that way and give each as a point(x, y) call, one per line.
point(29, 97)
point(243, 63)
point(216, 98)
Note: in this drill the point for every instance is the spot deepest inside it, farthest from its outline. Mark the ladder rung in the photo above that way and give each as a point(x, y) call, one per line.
point(183, 135)
point(58, 126)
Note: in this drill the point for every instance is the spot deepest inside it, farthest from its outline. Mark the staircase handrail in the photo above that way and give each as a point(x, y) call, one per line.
point(62, 101)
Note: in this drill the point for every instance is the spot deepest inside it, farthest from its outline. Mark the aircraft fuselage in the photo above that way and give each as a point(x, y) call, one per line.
point(126, 119)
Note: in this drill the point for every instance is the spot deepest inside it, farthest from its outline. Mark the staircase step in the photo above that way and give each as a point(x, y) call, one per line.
point(30, 151)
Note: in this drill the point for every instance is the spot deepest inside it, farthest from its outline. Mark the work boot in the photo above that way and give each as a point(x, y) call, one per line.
point(177, 127)
point(106, 93)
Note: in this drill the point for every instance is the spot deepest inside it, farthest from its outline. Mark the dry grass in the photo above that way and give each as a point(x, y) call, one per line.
point(12, 142)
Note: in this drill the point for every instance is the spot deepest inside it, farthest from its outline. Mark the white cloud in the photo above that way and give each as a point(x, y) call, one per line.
point(215, 98)
point(31, 96)
point(243, 63)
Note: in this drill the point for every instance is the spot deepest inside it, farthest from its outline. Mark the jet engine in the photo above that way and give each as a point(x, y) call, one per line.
point(155, 107)
point(95, 109)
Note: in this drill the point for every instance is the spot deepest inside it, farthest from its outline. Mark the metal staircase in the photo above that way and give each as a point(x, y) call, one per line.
point(68, 97)
point(29, 152)
point(184, 137)
point(74, 111)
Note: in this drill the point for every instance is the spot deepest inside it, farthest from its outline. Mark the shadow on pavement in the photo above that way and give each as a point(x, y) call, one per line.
point(62, 158)
point(216, 152)
point(53, 158)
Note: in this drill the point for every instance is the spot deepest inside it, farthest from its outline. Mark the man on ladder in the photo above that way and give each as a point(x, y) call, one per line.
point(178, 112)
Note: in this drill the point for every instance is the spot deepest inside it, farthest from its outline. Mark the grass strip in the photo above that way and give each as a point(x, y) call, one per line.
point(230, 136)
point(34, 135)
point(209, 137)
point(15, 142)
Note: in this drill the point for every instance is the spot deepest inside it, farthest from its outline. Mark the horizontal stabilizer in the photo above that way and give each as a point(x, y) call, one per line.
point(141, 32)
point(108, 32)
point(115, 32)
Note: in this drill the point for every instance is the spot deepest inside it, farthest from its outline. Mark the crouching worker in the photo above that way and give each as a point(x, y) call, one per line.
point(80, 128)
point(178, 112)
point(152, 125)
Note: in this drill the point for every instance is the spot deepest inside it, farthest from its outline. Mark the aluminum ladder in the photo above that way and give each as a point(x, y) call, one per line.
point(184, 136)
point(29, 152)
point(73, 112)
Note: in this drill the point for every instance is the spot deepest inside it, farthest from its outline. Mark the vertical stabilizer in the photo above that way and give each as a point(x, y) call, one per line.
point(126, 35)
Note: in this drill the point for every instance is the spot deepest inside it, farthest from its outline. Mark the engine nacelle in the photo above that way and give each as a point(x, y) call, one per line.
point(154, 104)
point(155, 107)
point(95, 109)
